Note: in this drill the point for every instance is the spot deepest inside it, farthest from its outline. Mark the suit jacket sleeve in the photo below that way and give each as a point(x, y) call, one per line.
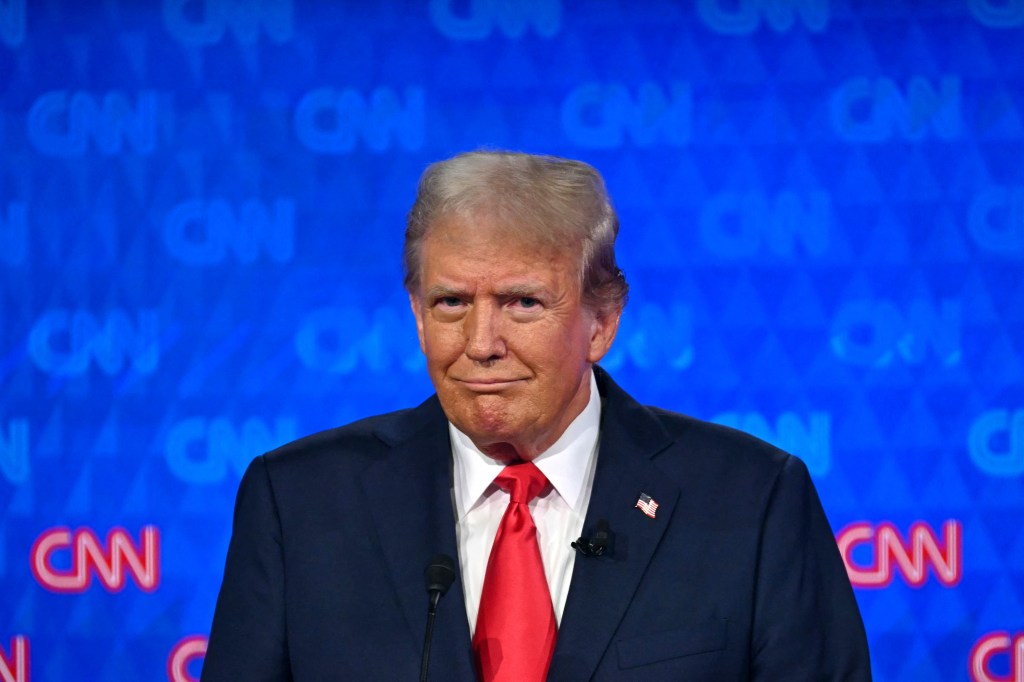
point(247, 639)
point(806, 622)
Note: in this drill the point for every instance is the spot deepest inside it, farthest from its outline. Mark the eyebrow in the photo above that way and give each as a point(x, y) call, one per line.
point(527, 289)
point(439, 291)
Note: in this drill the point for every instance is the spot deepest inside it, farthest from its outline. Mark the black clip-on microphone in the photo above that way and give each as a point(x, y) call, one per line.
point(598, 545)
point(440, 575)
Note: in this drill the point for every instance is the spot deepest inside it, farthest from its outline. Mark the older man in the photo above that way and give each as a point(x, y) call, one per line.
point(704, 553)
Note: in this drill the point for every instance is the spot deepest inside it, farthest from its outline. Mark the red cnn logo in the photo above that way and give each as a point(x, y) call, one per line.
point(183, 653)
point(997, 644)
point(894, 554)
point(14, 668)
point(89, 556)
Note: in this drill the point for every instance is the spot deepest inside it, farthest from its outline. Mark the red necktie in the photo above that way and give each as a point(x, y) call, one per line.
point(515, 626)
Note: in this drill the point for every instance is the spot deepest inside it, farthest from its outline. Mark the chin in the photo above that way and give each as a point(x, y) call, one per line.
point(487, 428)
point(486, 431)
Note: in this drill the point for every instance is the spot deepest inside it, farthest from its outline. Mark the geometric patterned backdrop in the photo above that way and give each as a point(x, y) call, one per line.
point(201, 215)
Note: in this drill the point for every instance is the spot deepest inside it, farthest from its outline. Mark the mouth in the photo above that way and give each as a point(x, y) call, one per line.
point(490, 385)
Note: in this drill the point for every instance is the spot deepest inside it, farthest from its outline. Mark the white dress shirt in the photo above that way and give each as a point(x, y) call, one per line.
point(558, 512)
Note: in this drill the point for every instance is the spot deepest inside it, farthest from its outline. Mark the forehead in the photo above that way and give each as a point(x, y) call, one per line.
point(480, 243)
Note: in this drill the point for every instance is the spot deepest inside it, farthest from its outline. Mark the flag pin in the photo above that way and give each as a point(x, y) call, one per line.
point(647, 505)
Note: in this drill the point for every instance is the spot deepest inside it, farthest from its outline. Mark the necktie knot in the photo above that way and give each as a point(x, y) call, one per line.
point(522, 481)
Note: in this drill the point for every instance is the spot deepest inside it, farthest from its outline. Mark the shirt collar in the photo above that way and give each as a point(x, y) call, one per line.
point(565, 463)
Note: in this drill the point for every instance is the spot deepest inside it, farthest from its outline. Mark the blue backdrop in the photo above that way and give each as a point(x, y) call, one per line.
point(201, 212)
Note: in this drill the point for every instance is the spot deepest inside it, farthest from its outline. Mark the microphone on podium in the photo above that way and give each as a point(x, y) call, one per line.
point(440, 574)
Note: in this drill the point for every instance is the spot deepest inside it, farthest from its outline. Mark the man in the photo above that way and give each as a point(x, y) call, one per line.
point(719, 563)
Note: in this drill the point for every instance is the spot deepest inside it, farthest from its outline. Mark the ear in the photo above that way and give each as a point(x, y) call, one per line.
point(603, 330)
point(416, 303)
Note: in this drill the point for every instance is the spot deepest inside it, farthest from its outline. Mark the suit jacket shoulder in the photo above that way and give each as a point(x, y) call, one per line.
point(363, 439)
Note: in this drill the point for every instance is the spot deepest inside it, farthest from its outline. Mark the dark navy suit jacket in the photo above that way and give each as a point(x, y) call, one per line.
point(737, 577)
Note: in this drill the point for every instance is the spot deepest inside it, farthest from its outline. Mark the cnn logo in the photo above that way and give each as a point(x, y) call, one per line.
point(1008, 653)
point(87, 556)
point(14, 667)
point(891, 554)
point(184, 657)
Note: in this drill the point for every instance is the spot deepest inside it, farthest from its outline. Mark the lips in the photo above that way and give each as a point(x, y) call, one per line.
point(489, 384)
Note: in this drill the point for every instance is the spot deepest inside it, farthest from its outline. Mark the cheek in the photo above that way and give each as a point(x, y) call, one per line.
point(442, 342)
point(570, 341)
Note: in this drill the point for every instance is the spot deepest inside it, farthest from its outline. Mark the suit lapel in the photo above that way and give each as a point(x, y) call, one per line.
point(602, 588)
point(409, 492)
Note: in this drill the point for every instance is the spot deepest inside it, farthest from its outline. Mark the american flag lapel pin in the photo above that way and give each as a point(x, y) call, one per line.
point(647, 505)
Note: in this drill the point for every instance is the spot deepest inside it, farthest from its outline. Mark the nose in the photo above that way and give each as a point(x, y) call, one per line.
point(484, 339)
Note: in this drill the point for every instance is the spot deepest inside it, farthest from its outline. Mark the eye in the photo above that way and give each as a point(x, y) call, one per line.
point(448, 302)
point(528, 302)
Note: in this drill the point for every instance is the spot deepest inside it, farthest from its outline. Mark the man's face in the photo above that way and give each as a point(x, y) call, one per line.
point(509, 343)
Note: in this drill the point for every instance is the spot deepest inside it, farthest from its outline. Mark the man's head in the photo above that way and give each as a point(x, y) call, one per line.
point(511, 272)
point(539, 199)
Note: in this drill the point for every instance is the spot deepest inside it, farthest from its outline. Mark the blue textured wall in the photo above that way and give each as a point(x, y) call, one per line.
point(201, 210)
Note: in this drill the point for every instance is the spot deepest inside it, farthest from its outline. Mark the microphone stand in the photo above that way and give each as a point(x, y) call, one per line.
point(440, 575)
point(435, 597)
